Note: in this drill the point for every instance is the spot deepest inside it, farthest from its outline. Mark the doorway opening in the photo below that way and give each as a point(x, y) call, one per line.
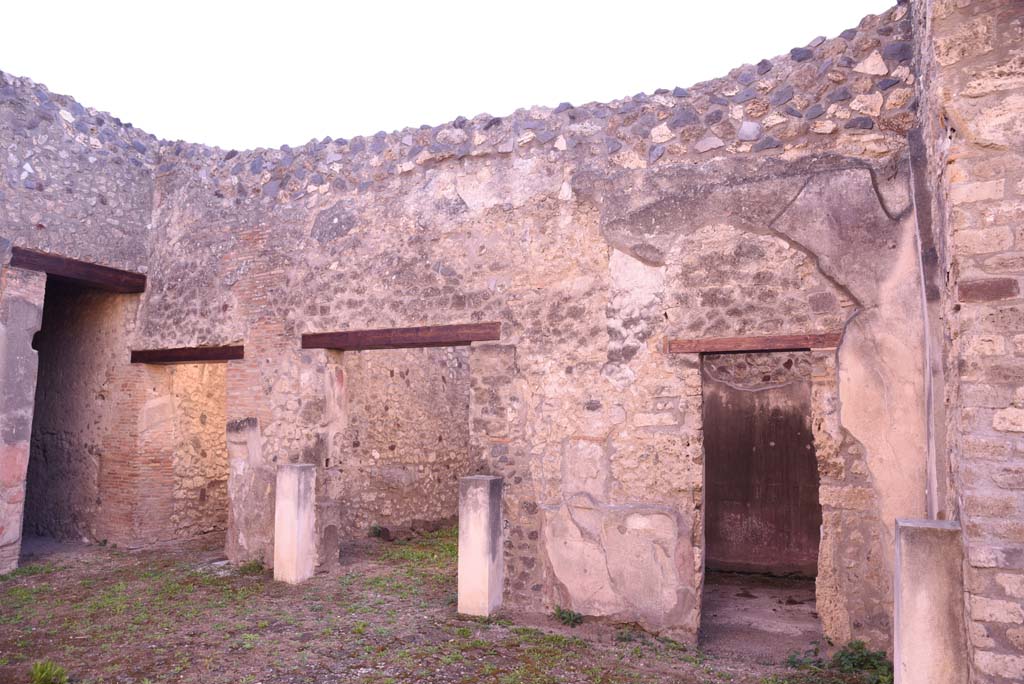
point(762, 512)
point(72, 407)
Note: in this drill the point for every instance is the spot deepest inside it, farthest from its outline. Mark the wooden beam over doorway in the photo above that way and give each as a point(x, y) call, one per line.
point(79, 272)
point(189, 354)
point(404, 338)
point(709, 345)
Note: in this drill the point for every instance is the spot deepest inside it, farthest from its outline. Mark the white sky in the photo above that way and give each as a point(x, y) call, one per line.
point(261, 74)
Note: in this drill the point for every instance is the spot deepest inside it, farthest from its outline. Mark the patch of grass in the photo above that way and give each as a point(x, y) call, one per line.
point(29, 570)
point(253, 567)
point(48, 672)
point(249, 641)
point(856, 657)
point(567, 617)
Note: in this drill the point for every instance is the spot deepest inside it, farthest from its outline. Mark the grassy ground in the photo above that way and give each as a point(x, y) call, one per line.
point(387, 615)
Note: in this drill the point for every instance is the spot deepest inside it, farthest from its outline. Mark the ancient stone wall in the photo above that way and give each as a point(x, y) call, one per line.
point(73, 181)
point(200, 461)
point(972, 99)
point(771, 201)
point(400, 442)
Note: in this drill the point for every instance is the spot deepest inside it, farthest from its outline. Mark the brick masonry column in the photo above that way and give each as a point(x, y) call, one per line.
point(21, 314)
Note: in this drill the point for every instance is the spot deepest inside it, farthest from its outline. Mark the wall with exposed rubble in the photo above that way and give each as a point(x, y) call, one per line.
point(972, 94)
point(399, 441)
point(200, 461)
point(774, 200)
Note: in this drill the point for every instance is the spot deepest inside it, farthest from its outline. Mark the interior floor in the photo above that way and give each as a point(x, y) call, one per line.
point(758, 616)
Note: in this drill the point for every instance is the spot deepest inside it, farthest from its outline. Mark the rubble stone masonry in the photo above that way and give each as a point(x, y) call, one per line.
point(787, 197)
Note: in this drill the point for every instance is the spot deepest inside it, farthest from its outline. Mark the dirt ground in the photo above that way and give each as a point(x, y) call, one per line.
point(386, 615)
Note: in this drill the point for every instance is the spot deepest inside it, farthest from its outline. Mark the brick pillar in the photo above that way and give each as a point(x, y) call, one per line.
point(21, 314)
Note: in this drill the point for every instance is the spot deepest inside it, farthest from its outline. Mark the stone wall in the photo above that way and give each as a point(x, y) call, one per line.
point(200, 461)
point(400, 441)
point(972, 98)
point(774, 200)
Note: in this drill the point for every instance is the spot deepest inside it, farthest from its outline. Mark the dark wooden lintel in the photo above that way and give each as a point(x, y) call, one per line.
point(188, 354)
point(79, 272)
point(404, 338)
point(753, 344)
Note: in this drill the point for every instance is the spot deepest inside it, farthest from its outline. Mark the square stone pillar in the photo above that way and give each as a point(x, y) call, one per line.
point(21, 314)
point(928, 622)
point(481, 557)
point(295, 523)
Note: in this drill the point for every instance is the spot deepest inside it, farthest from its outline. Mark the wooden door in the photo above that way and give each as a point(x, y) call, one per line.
point(761, 478)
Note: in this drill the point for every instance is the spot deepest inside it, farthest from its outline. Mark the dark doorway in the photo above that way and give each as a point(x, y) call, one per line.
point(73, 345)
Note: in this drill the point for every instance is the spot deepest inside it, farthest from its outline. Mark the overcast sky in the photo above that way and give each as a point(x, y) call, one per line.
point(261, 74)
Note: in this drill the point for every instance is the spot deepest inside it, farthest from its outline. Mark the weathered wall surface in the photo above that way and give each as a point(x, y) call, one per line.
point(73, 181)
point(200, 461)
point(400, 440)
point(21, 314)
point(972, 96)
point(770, 201)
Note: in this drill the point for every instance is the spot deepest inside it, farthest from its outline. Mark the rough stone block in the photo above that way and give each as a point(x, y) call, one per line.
point(481, 563)
point(295, 523)
point(928, 619)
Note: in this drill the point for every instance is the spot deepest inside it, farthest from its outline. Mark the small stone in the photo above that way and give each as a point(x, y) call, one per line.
point(718, 100)
point(782, 96)
point(140, 148)
point(793, 111)
point(839, 94)
point(848, 34)
point(256, 165)
point(801, 54)
point(814, 111)
point(746, 78)
point(899, 52)
point(654, 154)
point(612, 145)
point(662, 133)
point(685, 117)
point(846, 61)
point(749, 130)
point(873, 65)
point(745, 95)
point(563, 107)
point(766, 143)
point(764, 66)
point(867, 104)
point(773, 119)
point(713, 117)
point(680, 92)
point(709, 142)
point(824, 127)
point(887, 83)
point(864, 122)
point(898, 98)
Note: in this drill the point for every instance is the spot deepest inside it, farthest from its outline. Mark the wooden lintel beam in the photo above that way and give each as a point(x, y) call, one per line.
point(709, 345)
point(404, 338)
point(189, 354)
point(79, 272)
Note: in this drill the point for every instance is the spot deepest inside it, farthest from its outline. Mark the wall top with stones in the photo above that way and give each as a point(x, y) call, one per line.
point(852, 94)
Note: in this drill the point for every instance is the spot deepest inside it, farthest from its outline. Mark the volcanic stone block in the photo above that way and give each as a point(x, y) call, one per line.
point(295, 523)
point(481, 565)
point(928, 593)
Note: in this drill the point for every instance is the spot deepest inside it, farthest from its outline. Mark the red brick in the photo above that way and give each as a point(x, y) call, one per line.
point(987, 290)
